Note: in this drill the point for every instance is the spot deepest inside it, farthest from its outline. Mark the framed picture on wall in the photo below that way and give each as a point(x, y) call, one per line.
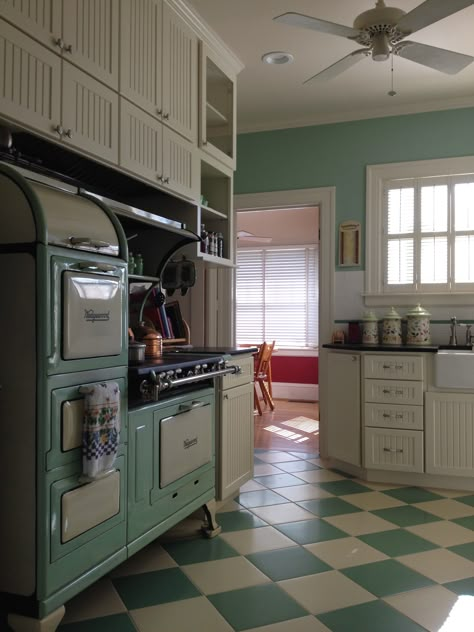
point(349, 243)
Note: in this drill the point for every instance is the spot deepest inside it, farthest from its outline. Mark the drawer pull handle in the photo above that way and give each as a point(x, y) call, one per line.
point(399, 416)
point(393, 450)
point(392, 366)
point(386, 416)
point(389, 391)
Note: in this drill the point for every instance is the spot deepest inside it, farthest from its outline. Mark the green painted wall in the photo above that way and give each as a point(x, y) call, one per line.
point(337, 154)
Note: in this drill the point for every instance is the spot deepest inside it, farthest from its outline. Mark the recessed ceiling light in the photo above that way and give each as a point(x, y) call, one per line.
point(277, 57)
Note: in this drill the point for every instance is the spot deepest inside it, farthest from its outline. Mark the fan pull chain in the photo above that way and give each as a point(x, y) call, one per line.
point(392, 92)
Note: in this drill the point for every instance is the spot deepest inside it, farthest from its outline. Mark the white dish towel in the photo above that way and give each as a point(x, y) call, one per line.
point(101, 429)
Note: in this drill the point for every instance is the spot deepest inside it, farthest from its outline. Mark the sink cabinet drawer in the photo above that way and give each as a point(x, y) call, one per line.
point(394, 416)
point(400, 450)
point(400, 392)
point(393, 367)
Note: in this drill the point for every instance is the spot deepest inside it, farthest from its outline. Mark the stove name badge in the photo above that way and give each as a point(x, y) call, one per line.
point(188, 443)
point(91, 316)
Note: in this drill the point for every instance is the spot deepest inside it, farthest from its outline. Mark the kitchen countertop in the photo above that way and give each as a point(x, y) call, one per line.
point(396, 348)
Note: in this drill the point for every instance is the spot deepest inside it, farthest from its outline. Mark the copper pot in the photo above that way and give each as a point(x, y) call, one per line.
point(154, 345)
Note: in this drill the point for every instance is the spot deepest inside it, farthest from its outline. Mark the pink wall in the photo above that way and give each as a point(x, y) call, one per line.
point(295, 370)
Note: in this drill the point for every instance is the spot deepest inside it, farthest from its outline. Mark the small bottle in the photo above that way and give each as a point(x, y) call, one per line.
point(220, 245)
point(213, 244)
point(131, 263)
point(204, 239)
point(139, 265)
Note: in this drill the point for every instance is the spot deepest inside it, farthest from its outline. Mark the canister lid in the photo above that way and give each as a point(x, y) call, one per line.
point(392, 314)
point(369, 316)
point(418, 311)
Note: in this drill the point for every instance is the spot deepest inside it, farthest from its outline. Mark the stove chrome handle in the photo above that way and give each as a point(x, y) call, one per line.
point(169, 383)
point(99, 267)
point(88, 241)
point(184, 408)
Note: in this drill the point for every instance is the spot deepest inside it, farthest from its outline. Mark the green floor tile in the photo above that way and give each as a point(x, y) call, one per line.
point(328, 506)
point(199, 550)
point(375, 616)
point(341, 488)
point(386, 578)
point(151, 589)
point(412, 495)
point(341, 473)
point(310, 531)
point(466, 550)
point(239, 520)
point(260, 498)
point(406, 516)
point(288, 563)
point(305, 455)
point(298, 466)
point(467, 522)
point(112, 623)
point(256, 606)
point(278, 480)
point(398, 542)
point(467, 500)
point(462, 586)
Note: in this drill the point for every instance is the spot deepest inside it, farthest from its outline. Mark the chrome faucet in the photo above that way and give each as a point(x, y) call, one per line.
point(469, 337)
point(453, 338)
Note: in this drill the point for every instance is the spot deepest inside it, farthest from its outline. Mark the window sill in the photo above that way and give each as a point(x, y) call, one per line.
point(404, 299)
point(297, 353)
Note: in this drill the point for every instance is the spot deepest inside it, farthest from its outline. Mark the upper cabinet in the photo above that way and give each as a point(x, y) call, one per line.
point(217, 108)
point(39, 18)
point(159, 64)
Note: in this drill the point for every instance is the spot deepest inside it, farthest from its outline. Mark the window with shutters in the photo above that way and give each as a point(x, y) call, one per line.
point(277, 296)
point(420, 232)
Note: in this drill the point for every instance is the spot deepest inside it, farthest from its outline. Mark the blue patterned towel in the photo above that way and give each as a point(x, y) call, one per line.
point(101, 429)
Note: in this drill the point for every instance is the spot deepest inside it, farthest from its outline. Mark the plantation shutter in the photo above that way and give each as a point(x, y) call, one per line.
point(277, 296)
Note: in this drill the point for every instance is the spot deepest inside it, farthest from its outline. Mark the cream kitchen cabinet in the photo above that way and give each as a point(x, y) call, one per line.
point(343, 407)
point(393, 387)
point(158, 61)
point(217, 108)
point(39, 18)
point(450, 433)
point(235, 428)
point(30, 81)
point(152, 151)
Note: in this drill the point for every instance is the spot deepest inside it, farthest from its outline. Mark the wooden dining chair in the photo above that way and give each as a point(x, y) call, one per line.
point(261, 376)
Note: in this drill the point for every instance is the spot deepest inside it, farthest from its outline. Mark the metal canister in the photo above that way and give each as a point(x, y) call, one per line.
point(370, 329)
point(418, 326)
point(392, 328)
point(154, 344)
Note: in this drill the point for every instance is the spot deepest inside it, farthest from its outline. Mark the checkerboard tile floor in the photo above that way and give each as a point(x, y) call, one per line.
point(303, 549)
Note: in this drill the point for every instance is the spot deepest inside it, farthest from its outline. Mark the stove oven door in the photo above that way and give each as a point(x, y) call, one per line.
point(88, 315)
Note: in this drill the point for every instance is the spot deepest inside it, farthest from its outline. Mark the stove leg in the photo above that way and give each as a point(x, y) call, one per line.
point(50, 623)
point(210, 527)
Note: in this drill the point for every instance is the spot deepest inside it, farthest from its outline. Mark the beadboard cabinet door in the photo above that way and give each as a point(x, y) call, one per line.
point(180, 165)
point(29, 81)
point(140, 53)
point(179, 74)
point(89, 114)
point(91, 34)
point(39, 18)
point(141, 143)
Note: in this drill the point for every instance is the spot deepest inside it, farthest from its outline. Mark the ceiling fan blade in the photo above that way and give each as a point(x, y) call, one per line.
point(243, 235)
point(340, 66)
point(429, 12)
point(437, 58)
point(307, 22)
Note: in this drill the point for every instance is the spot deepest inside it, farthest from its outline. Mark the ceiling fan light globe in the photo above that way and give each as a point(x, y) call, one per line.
point(380, 47)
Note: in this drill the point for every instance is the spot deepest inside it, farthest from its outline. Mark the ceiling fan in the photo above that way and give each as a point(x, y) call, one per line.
point(382, 32)
point(244, 235)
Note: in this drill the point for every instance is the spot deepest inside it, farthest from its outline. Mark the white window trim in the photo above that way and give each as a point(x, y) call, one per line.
point(375, 178)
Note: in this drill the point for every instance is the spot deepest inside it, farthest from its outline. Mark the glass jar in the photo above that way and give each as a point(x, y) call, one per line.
point(418, 326)
point(392, 328)
point(370, 329)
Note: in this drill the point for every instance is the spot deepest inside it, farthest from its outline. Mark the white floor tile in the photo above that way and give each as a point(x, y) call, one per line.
point(277, 514)
point(303, 492)
point(448, 493)
point(325, 592)
point(230, 505)
point(369, 501)
point(443, 533)
point(318, 476)
point(152, 558)
point(440, 565)
point(377, 486)
point(256, 540)
point(303, 624)
point(430, 607)
point(448, 509)
point(251, 486)
point(360, 523)
point(345, 552)
point(99, 600)
point(276, 457)
point(265, 469)
point(223, 575)
point(188, 615)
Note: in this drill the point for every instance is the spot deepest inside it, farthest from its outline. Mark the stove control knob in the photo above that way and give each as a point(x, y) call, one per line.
point(197, 369)
point(190, 373)
point(178, 373)
point(205, 368)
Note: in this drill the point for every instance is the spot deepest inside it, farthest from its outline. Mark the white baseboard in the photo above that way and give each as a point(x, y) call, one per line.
point(299, 392)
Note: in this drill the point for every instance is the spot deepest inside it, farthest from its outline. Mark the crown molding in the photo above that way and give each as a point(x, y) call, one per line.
point(207, 34)
point(344, 117)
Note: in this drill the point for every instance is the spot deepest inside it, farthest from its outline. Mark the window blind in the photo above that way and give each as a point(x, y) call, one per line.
point(277, 296)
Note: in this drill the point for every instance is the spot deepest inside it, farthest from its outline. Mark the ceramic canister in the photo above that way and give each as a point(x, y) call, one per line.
point(370, 329)
point(392, 328)
point(418, 326)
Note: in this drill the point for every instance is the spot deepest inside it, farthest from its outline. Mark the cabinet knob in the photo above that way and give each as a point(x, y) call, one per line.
point(393, 450)
point(204, 143)
point(166, 116)
point(159, 177)
point(166, 180)
point(68, 133)
point(59, 42)
point(67, 48)
point(59, 130)
point(226, 397)
point(159, 111)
